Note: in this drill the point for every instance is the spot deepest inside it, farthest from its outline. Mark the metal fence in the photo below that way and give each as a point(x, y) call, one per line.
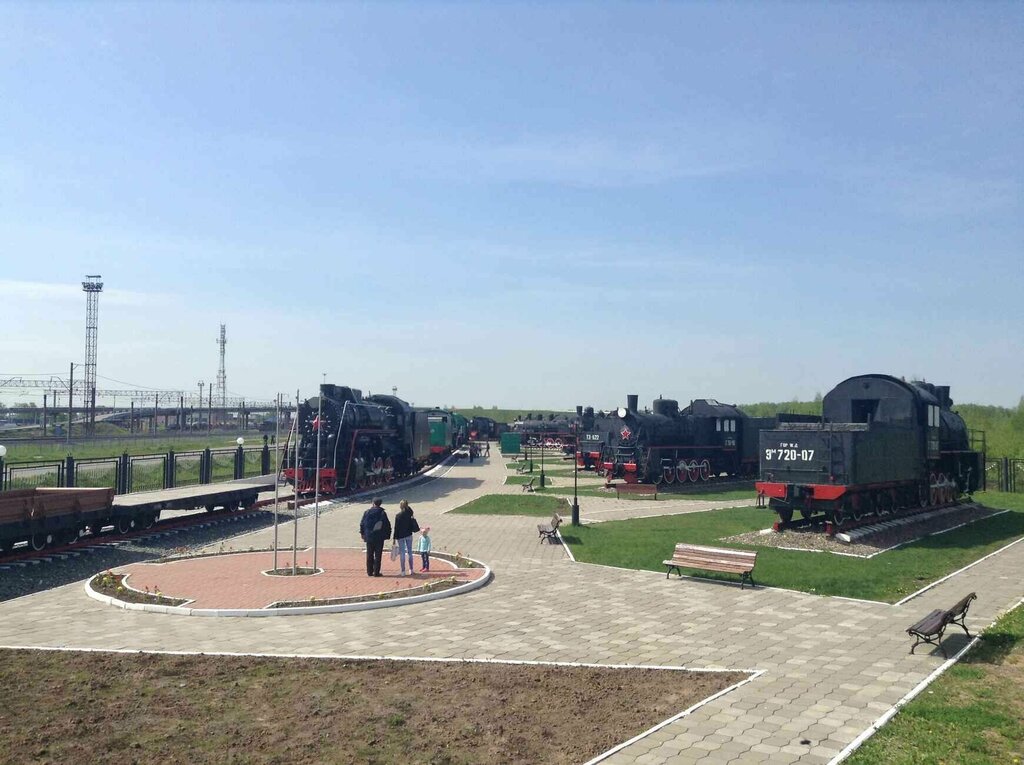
point(141, 472)
point(1004, 474)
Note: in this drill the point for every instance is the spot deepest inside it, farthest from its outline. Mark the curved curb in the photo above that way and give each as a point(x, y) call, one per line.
point(367, 605)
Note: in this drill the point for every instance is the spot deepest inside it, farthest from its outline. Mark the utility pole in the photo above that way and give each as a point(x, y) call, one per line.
point(222, 377)
point(71, 398)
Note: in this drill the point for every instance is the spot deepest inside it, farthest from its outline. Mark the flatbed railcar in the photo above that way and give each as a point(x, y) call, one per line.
point(885, 446)
point(59, 516)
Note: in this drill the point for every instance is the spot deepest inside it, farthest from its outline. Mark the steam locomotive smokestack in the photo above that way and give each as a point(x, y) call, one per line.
point(632, 401)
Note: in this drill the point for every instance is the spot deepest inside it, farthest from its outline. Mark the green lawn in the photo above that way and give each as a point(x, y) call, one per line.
point(972, 715)
point(513, 504)
point(645, 543)
point(103, 448)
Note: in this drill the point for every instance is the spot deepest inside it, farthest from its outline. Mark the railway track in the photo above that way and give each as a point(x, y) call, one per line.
point(848, 525)
point(92, 543)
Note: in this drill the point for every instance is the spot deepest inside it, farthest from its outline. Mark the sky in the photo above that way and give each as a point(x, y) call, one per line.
point(529, 205)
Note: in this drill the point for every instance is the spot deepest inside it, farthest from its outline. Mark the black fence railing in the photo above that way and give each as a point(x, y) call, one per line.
point(129, 473)
point(1004, 474)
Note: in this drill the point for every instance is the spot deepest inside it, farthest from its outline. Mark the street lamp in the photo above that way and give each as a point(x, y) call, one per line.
point(542, 449)
point(3, 453)
point(575, 470)
point(239, 440)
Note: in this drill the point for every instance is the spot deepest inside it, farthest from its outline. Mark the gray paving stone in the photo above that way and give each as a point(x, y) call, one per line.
point(830, 666)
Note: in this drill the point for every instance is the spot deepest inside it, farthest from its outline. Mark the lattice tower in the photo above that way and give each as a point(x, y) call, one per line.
point(92, 288)
point(222, 377)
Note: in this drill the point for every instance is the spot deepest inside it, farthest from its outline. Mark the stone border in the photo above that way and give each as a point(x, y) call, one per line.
point(296, 610)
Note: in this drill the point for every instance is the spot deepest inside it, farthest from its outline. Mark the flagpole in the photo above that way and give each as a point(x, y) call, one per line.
point(295, 465)
point(277, 468)
point(316, 492)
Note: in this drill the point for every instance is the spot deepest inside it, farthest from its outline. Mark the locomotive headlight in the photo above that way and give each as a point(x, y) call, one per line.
point(622, 412)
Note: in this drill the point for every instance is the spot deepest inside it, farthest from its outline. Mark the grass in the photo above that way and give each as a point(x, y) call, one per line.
point(110, 448)
point(972, 715)
point(513, 504)
point(645, 543)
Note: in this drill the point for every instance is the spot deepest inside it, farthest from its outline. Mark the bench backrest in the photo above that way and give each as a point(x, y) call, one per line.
point(723, 553)
point(961, 607)
point(556, 521)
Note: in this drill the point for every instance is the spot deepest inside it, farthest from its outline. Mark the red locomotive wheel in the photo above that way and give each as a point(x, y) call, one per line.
point(693, 471)
point(705, 470)
point(669, 474)
point(683, 471)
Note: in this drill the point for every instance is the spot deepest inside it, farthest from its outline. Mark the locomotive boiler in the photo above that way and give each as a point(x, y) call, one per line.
point(884, 446)
point(362, 442)
point(669, 445)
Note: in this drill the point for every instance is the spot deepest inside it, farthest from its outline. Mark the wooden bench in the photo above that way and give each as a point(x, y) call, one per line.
point(930, 628)
point(647, 489)
point(713, 559)
point(549, 530)
point(528, 486)
point(524, 467)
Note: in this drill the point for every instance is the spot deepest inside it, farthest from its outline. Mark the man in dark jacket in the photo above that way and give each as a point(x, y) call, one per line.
point(374, 528)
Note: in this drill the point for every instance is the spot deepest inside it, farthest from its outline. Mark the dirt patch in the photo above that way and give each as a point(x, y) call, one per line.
point(813, 538)
point(118, 708)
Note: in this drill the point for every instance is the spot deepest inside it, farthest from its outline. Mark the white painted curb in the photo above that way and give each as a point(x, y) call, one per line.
point(368, 605)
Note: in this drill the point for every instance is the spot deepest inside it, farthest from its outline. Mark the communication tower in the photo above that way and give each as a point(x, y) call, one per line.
point(222, 377)
point(92, 288)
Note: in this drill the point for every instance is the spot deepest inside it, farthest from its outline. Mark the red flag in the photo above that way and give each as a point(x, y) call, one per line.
point(316, 422)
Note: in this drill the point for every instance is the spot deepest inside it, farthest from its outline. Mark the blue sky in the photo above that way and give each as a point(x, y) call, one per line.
point(521, 204)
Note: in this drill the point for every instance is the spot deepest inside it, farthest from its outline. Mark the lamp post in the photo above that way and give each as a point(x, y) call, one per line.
point(575, 470)
point(542, 460)
point(3, 470)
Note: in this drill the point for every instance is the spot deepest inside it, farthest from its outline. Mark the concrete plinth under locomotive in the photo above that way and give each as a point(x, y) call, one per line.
point(885, 446)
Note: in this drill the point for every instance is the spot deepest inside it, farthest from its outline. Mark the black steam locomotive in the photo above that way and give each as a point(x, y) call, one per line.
point(363, 442)
point(704, 440)
point(555, 430)
point(885, 446)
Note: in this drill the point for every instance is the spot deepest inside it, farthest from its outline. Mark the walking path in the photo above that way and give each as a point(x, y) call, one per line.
point(830, 666)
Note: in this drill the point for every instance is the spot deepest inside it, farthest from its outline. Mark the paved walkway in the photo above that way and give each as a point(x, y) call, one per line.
point(830, 666)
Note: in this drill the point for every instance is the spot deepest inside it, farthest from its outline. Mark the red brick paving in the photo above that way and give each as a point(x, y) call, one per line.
point(237, 580)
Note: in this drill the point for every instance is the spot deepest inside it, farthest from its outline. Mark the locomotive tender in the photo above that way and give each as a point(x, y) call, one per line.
point(364, 442)
point(885, 446)
point(668, 445)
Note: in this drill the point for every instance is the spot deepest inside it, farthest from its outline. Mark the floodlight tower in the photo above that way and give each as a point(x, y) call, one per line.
point(92, 288)
point(222, 377)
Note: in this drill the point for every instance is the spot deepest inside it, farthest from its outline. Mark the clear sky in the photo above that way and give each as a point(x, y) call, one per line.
point(521, 204)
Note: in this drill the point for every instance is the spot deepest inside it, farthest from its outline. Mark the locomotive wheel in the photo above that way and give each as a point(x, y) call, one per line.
point(682, 471)
point(858, 506)
point(806, 513)
point(147, 521)
point(922, 495)
point(659, 478)
point(883, 505)
point(705, 470)
point(70, 536)
point(669, 474)
point(124, 524)
point(39, 541)
point(693, 471)
point(838, 518)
